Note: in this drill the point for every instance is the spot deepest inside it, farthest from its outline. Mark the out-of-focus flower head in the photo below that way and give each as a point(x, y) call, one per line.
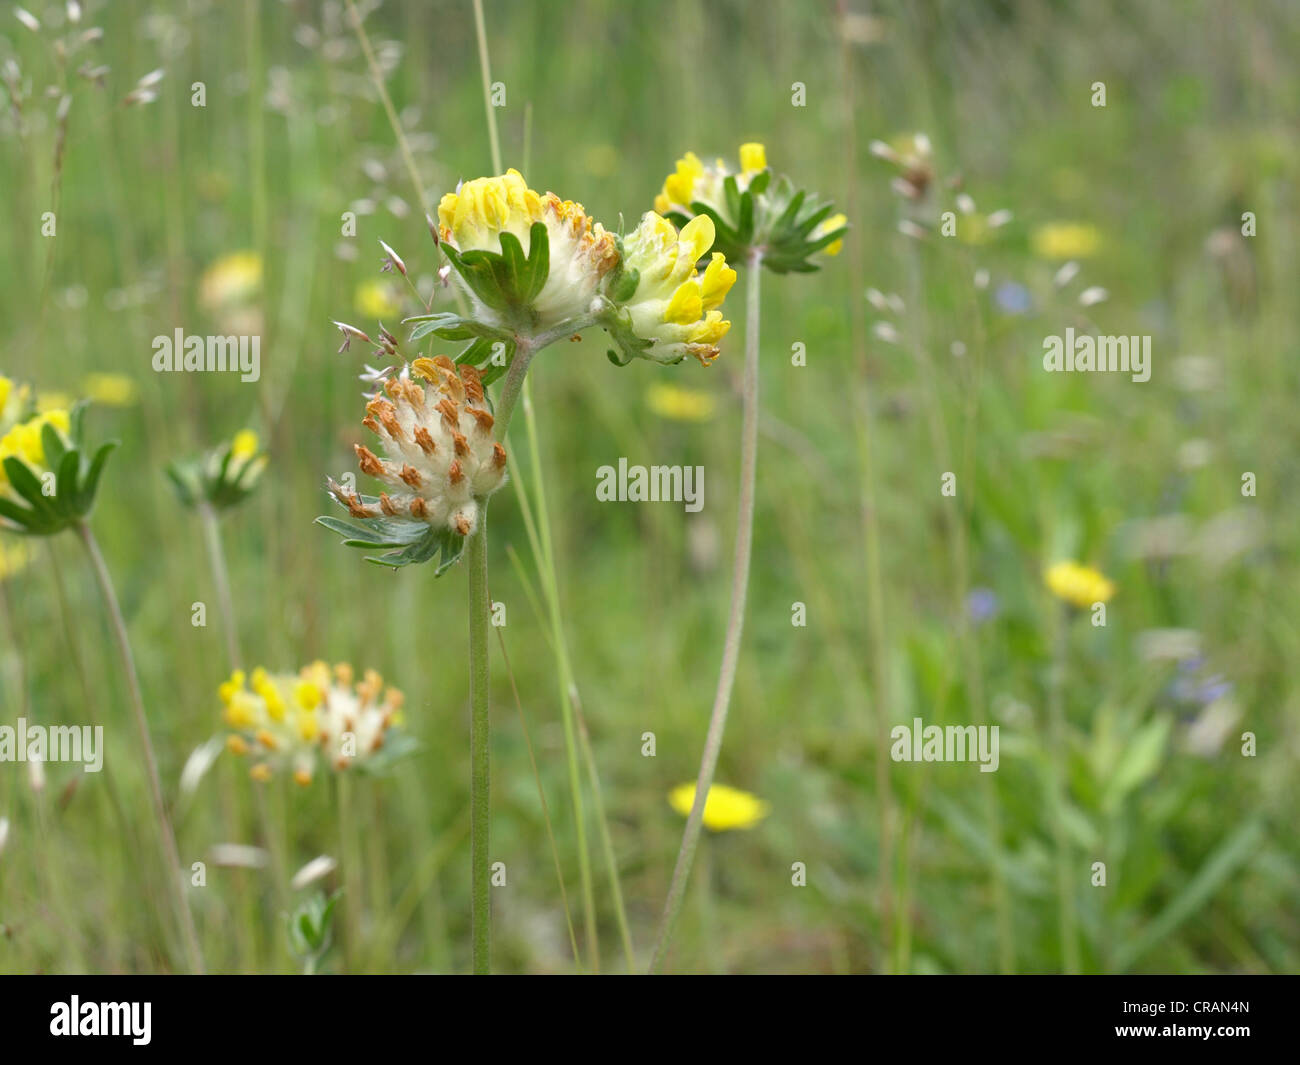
point(1066, 240)
point(725, 808)
point(47, 481)
point(15, 402)
point(1078, 585)
point(441, 460)
point(913, 157)
point(110, 389)
point(679, 404)
point(231, 281)
point(752, 213)
point(375, 299)
point(293, 722)
point(222, 477)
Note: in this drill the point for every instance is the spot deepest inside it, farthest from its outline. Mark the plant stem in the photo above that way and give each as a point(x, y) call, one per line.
point(221, 578)
point(479, 745)
point(1060, 788)
point(170, 856)
point(736, 621)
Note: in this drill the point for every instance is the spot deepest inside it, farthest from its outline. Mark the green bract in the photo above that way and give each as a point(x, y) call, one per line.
point(44, 501)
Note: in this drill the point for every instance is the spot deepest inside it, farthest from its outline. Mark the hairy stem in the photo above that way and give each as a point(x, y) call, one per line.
point(735, 623)
point(171, 858)
point(220, 578)
point(479, 744)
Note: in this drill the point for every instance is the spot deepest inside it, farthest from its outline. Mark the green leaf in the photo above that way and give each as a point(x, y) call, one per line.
point(86, 493)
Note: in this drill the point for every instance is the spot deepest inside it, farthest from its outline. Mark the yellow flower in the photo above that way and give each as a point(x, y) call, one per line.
point(232, 280)
point(581, 252)
point(1066, 240)
point(673, 307)
point(23, 441)
point(1082, 586)
point(111, 389)
point(834, 222)
point(375, 299)
point(244, 445)
point(724, 809)
point(679, 404)
point(753, 157)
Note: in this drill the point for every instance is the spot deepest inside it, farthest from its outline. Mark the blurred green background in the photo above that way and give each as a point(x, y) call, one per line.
point(923, 356)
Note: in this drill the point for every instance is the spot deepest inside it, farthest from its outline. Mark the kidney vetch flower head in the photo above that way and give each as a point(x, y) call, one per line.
point(441, 460)
point(291, 722)
point(536, 269)
point(754, 216)
point(224, 476)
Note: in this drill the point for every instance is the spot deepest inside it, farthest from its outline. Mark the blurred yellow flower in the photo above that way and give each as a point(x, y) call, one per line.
point(1066, 240)
point(725, 808)
point(48, 401)
point(13, 558)
point(375, 299)
point(231, 280)
point(244, 445)
point(110, 389)
point(679, 404)
point(1081, 586)
point(601, 160)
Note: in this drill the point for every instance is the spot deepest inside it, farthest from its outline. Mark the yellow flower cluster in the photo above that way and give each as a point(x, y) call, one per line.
point(581, 251)
point(724, 809)
point(289, 721)
point(693, 181)
point(674, 307)
point(1079, 585)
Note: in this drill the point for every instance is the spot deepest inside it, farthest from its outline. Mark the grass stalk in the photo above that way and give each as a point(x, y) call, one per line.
point(171, 858)
point(736, 620)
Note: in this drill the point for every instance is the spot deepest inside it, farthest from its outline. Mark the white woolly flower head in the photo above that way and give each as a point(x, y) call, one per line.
point(440, 456)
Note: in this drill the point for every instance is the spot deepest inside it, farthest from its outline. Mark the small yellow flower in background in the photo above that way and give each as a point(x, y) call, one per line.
point(286, 721)
point(725, 808)
point(1079, 585)
point(13, 401)
point(601, 160)
point(232, 280)
point(14, 558)
point(679, 404)
point(48, 401)
point(375, 299)
point(110, 389)
point(244, 445)
point(1066, 240)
